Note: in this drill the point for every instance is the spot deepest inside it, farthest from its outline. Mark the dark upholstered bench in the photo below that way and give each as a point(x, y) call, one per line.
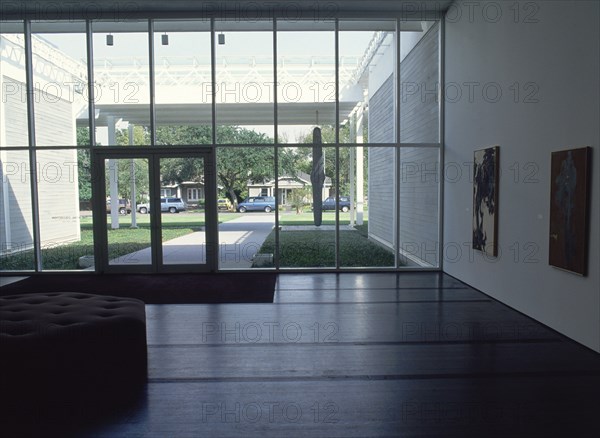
point(71, 345)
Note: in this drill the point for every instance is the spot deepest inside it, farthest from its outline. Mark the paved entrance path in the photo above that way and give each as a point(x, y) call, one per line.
point(239, 240)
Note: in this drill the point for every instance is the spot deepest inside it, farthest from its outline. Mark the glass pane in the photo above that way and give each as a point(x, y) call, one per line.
point(306, 78)
point(16, 225)
point(121, 82)
point(64, 193)
point(128, 221)
point(307, 235)
point(244, 80)
point(419, 76)
point(60, 83)
point(381, 196)
point(13, 104)
point(245, 177)
point(367, 52)
point(360, 238)
point(419, 206)
point(182, 82)
point(182, 211)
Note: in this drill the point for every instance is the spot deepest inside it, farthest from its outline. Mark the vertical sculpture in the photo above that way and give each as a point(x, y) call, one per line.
point(317, 176)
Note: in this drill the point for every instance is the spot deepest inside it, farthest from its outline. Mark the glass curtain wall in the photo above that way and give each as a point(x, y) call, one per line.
point(419, 160)
point(16, 220)
point(326, 133)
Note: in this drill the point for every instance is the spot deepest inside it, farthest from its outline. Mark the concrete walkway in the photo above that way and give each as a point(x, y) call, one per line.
point(239, 240)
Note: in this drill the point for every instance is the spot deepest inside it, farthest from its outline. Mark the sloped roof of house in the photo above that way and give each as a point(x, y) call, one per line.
point(301, 177)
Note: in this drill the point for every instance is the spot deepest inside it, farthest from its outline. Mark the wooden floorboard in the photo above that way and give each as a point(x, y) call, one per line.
point(357, 355)
point(373, 295)
point(367, 280)
point(473, 407)
point(357, 322)
point(370, 361)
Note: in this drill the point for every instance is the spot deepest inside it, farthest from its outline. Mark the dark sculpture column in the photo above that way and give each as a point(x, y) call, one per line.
point(317, 176)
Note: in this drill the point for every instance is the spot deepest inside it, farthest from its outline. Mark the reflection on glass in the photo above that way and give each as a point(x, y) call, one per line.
point(127, 208)
point(16, 226)
point(182, 208)
point(121, 82)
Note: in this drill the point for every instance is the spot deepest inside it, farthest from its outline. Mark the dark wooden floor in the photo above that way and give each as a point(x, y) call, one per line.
point(410, 354)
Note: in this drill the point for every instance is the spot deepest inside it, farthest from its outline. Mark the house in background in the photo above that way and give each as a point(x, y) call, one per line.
point(190, 192)
point(286, 185)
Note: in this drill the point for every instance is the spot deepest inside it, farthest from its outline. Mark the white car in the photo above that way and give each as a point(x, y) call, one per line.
point(172, 205)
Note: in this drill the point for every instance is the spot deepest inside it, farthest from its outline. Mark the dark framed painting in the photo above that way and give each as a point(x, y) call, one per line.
point(485, 200)
point(569, 209)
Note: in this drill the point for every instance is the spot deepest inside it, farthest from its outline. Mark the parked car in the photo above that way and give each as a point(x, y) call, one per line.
point(172, 205)
point(257, 203)
point(124, 206)
point(344, 203)
point(223, 204)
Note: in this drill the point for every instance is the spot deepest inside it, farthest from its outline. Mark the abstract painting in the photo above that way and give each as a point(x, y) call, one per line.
point(485, 200)
point(569, 209)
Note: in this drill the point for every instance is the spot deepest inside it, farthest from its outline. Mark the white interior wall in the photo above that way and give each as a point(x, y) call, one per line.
point(549, 51)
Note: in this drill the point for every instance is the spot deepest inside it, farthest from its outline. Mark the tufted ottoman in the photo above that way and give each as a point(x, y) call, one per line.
point(75, 346)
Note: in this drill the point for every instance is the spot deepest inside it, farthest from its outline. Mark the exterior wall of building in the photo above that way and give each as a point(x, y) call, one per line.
point(382, 182)
point(16, 224)
point(418, 181)
point(56, 170)
point(419, 123)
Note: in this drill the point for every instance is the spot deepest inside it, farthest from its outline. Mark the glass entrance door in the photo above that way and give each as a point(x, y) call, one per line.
point(183, 212)
point(158, 210)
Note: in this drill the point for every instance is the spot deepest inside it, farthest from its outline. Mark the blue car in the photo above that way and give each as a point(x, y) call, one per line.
point(257, 203)
point(344, 204)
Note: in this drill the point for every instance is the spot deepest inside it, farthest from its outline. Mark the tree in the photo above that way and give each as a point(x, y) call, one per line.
point(298, 198)
point(84, 167)
point(236, 166)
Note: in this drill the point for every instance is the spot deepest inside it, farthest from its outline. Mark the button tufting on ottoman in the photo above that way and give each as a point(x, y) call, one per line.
point(71, 343)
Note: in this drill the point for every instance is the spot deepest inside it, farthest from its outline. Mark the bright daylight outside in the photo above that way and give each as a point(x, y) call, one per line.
point(241, 144)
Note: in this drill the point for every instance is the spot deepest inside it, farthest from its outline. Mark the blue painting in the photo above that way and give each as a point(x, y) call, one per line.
point(485, 200)
point(569, 199)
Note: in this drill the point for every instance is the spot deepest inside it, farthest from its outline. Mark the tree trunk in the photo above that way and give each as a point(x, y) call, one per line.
point(233, 197)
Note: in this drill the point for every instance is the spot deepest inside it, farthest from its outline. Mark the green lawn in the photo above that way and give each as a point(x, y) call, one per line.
point(307, 218)
point(301, 249)
point(298, 248)
point(122, 241)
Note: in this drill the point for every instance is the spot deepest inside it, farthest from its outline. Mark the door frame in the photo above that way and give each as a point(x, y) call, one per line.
point(153, 155)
